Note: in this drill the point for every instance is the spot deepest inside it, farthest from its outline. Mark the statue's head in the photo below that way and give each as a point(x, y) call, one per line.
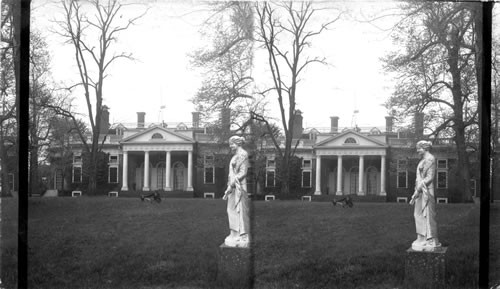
point(423, 146)
point(236, 141)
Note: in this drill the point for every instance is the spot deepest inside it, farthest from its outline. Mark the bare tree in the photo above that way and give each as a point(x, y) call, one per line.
point(41, 100)
point(9, 52)
point(437, 73)
point(227, 62)
point(285, 31)
point(93, 58)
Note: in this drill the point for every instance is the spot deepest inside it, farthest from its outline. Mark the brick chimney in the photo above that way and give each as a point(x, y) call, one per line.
point(388, 123)
point(334, 123)
point(196, 119)
point(419, 125)
point(104, 120)
point(140, 119)
point(297, 124)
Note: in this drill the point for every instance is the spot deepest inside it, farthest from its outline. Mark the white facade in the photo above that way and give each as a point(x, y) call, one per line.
point(163, 174)
point(333, 152)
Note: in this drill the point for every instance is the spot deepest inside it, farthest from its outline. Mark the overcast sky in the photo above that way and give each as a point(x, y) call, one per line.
point(162, 40)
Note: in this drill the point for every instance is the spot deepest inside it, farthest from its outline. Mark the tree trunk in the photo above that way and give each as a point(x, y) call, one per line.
point(459, 126)
point(285, 174)
point(285, 183)
point(463, 165)
point(92, 174)
point(92, 185)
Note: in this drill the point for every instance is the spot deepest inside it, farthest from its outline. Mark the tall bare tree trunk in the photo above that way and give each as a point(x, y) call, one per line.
point(99, 55)
point(459, 125)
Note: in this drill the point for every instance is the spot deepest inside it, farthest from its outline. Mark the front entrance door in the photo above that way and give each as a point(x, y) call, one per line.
point(59, 180)
point(371, 181)
point(332, 182)
point(179, 173)
point(160, 176)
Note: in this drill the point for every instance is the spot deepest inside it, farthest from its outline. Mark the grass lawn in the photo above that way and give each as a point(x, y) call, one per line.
point(125, 243)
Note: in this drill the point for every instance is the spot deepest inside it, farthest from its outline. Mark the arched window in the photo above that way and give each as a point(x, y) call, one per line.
point(313, 134)
point(182, 126)
point(372, 181)
point(120, 129)
point(160, 175)
point(157, 136)
point(350, 140)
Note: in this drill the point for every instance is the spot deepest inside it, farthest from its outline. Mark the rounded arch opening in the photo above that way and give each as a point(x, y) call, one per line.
point(179, 176)
point(372, 180)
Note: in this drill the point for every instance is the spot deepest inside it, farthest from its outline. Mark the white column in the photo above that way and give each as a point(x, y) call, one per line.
point(361, 176)
point(145, 186)
point(125, 172)
point(339, 175)
point(382, 176)
point(190, 171)
point(318, 175)
point(167, 172)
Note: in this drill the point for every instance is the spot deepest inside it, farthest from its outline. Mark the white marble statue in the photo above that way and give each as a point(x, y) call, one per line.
point(238, 204)
point(424, 201)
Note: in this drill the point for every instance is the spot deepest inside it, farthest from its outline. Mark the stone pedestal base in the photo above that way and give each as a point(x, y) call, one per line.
point(425, 269)
point(234, 267)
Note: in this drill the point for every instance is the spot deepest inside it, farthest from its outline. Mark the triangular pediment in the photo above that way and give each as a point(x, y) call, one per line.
point(120, 126)
point(157, 134)
point(350, 138)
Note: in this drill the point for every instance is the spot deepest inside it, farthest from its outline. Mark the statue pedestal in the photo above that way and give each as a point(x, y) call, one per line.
point(425, 269)
point(234, 267)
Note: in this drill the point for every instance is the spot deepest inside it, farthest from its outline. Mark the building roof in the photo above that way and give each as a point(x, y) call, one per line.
point(340, 139)
point(167, 136)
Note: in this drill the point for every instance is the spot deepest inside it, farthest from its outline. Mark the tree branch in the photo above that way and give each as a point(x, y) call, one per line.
point(66, 113)
point(262, 119)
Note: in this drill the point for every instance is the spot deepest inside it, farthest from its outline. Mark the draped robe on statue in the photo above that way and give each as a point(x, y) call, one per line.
point(425, 205)
point(237, 201)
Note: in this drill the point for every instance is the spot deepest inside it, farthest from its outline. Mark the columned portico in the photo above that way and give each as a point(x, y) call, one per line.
point(318, 176)
point(158, 159)
point(125, 172)
point(339, 175)
point(146, 171)
point(358, 160)
point(168, 165)
point(190, 171)
point(361, 176)
point(382, 176)
point(354, 174)
point(158, 170)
